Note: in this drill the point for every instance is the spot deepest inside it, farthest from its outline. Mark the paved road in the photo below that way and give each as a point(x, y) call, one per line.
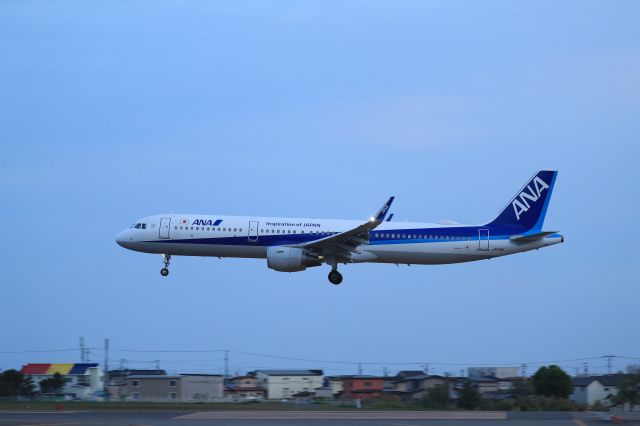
point(300, 418)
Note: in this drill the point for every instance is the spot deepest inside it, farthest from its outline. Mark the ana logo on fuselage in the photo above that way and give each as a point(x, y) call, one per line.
point(521, 202)
point(207, 222)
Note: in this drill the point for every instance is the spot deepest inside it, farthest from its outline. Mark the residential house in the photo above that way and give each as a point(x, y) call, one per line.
point(591, 389)
point(116, 380)
point(283, 384)
point(362, 386)
point(244, 388)
point(83, 380)
point(151, 388)
point(414, 386)
point(201, 387)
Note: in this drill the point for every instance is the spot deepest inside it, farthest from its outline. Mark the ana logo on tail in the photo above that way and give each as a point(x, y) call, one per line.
point(521, 202)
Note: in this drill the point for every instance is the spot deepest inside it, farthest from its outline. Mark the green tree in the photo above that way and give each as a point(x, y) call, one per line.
point(27, 387)
point(469, 396)
point(53, 384)
point(436, 397)
point(628, 388)
point(10, 381)
point(552, 381)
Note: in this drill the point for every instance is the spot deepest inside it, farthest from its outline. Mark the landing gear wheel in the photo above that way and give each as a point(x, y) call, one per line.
point(335, 277)
point(166, 259)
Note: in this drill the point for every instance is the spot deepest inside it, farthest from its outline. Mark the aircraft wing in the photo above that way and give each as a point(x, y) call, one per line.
point(342, 245)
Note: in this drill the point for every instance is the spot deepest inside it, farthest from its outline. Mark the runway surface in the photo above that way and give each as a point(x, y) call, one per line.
point(299, 418)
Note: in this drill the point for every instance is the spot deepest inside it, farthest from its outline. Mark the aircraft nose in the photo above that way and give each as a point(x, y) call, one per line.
point(123, 238)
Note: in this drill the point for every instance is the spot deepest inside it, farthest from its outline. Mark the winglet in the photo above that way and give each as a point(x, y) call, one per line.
point(383, 211)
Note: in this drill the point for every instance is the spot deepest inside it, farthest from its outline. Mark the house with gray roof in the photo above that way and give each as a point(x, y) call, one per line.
point(591, 389)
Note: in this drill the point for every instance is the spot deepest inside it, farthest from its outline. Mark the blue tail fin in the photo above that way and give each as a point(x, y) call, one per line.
point(526, 211)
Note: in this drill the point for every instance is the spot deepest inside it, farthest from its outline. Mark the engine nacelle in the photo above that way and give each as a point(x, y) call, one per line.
point(290, 259)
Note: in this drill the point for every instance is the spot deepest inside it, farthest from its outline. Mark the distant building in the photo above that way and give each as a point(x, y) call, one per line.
point(591, 389)
point(497, 372)
point(244, 388)
point(335, 383)
point(324, 392)
point(362, 386)
point(201, 387)
point(116, 380)
point(413, 385)
point(83, 380)
point(283, 384)
point(151, 388)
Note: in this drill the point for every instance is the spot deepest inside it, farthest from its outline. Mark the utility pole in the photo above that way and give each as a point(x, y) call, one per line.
point(106, 363)
point(360, 369)
point(157, 361)
point(82, 359)
point(226, 363)
point(106, 355)
point(384, 371)
point(609, 358)
point(586, 368)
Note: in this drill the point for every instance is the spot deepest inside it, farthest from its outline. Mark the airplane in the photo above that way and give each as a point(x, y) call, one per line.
point(294, 244)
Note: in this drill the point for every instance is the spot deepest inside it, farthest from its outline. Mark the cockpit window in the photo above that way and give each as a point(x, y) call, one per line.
point(139, 226)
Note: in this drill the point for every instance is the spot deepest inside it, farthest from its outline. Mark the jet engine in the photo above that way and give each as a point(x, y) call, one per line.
point(290, 259)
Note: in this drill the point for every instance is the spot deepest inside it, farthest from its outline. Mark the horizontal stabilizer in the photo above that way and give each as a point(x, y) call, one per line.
point(532, 237)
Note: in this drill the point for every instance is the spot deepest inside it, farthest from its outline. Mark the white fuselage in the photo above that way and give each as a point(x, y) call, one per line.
point(390, 242)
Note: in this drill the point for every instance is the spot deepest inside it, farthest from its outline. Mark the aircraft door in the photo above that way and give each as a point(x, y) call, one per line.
point(253, 230)
point(165, 227)
point(483, 239)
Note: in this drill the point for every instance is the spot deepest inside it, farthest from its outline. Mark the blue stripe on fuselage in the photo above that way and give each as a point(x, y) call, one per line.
point(438, 235)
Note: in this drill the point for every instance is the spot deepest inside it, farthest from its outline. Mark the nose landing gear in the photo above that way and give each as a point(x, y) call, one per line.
point(166, 258)
point(335, 277)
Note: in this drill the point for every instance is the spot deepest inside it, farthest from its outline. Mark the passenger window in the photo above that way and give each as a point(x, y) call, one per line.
point(192, 228)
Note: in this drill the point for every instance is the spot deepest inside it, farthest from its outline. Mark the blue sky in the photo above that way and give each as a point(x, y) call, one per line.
point(111, 111)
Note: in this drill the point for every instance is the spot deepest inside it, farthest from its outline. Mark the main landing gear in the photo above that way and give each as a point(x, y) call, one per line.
point(335, 277)
point(166, 258)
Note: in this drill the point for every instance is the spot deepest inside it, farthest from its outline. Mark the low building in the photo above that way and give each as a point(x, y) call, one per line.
point(151, 388)
point(83, 380)
point(335, 383)
point(414, 386)
point(283, 384)
point(116, 380)
point(201, 387)
point(244, 388)
point(497, 372)
point(591, 389)
point(324, 392)
point(362, 386)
